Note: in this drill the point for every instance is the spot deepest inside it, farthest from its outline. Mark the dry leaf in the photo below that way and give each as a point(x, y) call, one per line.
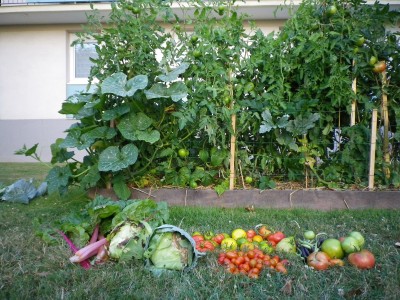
point(249, 208)
point(287, 289)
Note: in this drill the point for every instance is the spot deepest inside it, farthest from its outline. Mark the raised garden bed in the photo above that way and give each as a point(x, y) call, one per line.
point(252, 199)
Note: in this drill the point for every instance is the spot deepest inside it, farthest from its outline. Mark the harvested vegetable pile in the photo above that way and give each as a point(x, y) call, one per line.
point(136, 229)
point(122, 231)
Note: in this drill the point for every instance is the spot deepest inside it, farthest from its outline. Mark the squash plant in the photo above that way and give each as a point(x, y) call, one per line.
point(124, 124)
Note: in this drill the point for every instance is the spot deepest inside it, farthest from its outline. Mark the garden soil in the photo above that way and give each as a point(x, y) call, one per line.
point(252, 199)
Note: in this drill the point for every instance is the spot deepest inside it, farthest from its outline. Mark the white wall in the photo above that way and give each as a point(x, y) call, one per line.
point(33, 62)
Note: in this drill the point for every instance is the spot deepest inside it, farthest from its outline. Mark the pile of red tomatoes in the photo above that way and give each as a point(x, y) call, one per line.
point(251, 263)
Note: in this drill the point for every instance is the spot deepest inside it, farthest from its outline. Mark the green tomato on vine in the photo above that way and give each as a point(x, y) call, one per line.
point(183, 153)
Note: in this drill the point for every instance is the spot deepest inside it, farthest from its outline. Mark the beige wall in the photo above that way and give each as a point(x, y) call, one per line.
point(33, 72)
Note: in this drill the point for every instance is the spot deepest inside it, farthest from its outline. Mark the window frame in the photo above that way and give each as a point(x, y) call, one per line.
point(72, 79)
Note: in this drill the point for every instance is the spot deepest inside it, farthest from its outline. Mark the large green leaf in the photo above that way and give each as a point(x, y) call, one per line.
point(58, 178)
point(59, 154)
point(91, 178)
point(113, 159)
point(115, 112)
point(135, 121)
point(149, 136)
point(102, 132)
point(174, 74)
point(217, 156)
point(69, 108)
point(138, 82)
point(114, 84)
point(287, 140)
point(118, 85)
point(136, 127)
point(176, 91)
point(73, 140)
point(120, 188)
point(302, 124)
point(268, 124)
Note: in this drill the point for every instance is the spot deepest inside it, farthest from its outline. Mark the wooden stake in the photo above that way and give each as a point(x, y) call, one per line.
point(385, 117)
point(233, 154)
point(353, 104)
point(371, 176)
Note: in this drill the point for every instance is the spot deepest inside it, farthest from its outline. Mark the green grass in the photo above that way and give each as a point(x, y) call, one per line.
point(10, 172)
point(29, 269)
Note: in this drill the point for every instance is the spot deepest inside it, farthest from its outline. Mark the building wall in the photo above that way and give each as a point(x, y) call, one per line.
point(34, 82)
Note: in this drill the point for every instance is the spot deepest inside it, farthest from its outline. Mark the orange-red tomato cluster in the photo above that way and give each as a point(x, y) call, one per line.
point(251, 263)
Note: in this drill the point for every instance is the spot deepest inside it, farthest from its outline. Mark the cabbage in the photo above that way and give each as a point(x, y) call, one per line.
point(171, 248)
point(171, 251)
point(128, 240)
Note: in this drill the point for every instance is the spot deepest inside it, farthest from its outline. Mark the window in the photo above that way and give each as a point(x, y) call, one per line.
point(79, 61)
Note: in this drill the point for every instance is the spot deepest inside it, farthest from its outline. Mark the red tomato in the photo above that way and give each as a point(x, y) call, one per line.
point(318, 260)
point(231, 254)
point(218, 238)
point(263, 230)
point(239, 260)
point(245, 266)
point(276, 237)
point(253, 263)
point(204, 246)
point(267, 263)
point(221, 258)
point(284, 262)
point(255, 271)
point(379, 67)
point(281, 268)
point(251, 254)
point(273, 262)
point(251, 233)
point(198, 238)
point(362, 260)
point(277, 258)
point(258, 252)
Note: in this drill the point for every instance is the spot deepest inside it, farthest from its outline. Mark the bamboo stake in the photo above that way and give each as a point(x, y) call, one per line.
point(233, 153)
point(385, 116)
point(371, 176)
point(233, 121)
point(353, 104)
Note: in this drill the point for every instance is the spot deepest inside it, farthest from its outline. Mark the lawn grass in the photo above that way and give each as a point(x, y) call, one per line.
point(30, 269)
point(10, 172)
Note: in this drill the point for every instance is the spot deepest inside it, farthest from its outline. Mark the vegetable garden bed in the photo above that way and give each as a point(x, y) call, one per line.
point(251, 199)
